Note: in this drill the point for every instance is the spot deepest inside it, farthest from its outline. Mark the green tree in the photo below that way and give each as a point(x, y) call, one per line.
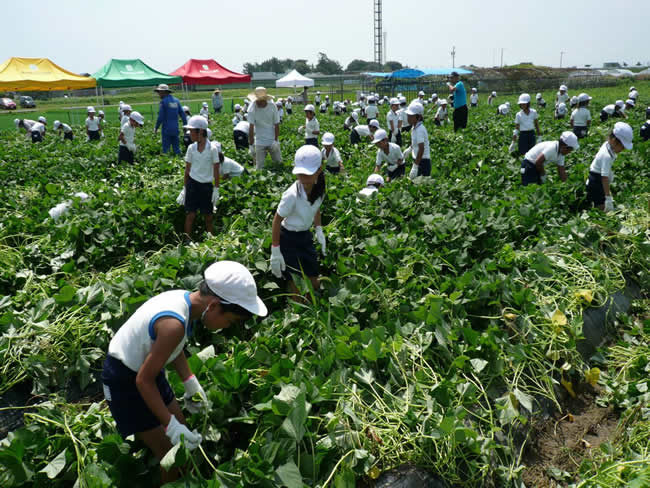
point(302, 66)
point(393, 65)
point(328, 66)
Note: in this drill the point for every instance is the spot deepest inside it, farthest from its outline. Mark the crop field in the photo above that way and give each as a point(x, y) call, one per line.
point(491, 334)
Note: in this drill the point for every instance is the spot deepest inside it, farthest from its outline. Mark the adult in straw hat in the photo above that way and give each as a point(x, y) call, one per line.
point(264, 130)
point(217, 101)
point(169, 111)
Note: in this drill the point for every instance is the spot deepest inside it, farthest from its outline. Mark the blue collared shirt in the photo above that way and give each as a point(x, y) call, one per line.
point(168, 112)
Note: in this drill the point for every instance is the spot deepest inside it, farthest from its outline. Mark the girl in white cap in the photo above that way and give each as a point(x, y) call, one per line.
point(102, 119)
point(600, 171)
point(613, 110)
point(581, 116)
point(473, 98)
point(363, 131)
point(289, 105)
point(317, 98)
point(292, 249)
point(634, 94)
point(127, 137)
point(331, 155)
point(390, 154)
point(526, 123)
point(201, 180)
point(135, 385)
point(394, 122)
point(562, 96)
point(491, 97)
point(540, 100)
point(560, 111)
point(371, 110)
point(532, 166)
point(503, 109)
point(238, 116)
point(311, 129)
point(419, 141)
point(373, 184)
point(93, 126)
point(441, 116)
point(205, 111)
point(351, 121)
point(66, 129)
point(573, 102)
point(280, 108)
point(126, 112)
point(629, 105)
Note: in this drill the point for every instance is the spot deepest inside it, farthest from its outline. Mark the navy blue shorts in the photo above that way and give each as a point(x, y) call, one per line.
point(241, 139)
point(595, 190)
point(354, 137)
point(406, 129)
point(127, 406)
point(529, 173)
point(68, 136)
point(581, 132)
point(526, 141)
point(36, 136)
point(299, 253)
point(424, 168)
point(187, 140)
point(333, 169)
point(398, 137)
point(93, 135)
point(312, 141)
point(289, 111)
point(198, 196)
point(400, 171)
point(125, 155)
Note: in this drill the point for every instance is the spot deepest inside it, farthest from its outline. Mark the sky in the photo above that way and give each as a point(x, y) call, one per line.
point(82, 35)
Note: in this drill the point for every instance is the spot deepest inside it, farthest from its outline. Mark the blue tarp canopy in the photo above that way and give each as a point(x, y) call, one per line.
point(377, 74)
point(410, 73)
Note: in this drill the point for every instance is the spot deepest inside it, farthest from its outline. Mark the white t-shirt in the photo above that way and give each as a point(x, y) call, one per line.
point(561, 110)
point(602, 163)
point(264, 121)
point(202, 163)
point(441, 113)
point(66, 128)
point(288, 105)
point(419, 135)
point(129, 134)
point(310, 127)
point(610, 109)
point(526, 121)
point(230, 167)
point(580, 116)
point(323, 107)
point(123, 121)
point(393, 117)
point(372, 111)
point(349, 122)
point(473, 98)
point(405, 118)
point(28, 124)
point(296, 211)
point(217, 147)
point(205, 113)
point(362, 130)
point(317, 99)
point(333, 159)
point(504, 109)
point(633, 94)
point(562, 98)
point(367, 192)
point(93, 124)
point(242, 126)
point(392, 158)
point(550, 150)
point(132, 342)
point(37, 126)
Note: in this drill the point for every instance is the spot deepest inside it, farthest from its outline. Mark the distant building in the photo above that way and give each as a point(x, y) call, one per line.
point(611, 65)
point(264, 75)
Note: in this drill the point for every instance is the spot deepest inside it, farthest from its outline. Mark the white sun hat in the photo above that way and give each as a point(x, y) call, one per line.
point(42, 120)
point(137, 117)
point(415, 108)
point(375, 179)
point(524, 98)
point(538, 96)
point(233, 283)
point(374, 123)
point(307, 160)
point(126, 107)
point(420, 93)
point(196, 122)
point(570, 139)
point(624, 133)
point(186, 108)
point(563, 88)
point(494, 94)
point(90, 110)
point(629, 101)
point(583, 97)
point(56, 125)
point(309, 108)
point(327, 139)
point(380, 135)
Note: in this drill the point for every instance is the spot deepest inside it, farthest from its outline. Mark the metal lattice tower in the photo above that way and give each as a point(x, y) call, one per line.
point(378, 37)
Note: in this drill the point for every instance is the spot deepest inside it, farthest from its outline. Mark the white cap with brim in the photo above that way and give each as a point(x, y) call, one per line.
point(375, 179)
point(237, 106)
point(307, 160)
point(570, 139)
point(563, 88)
point(42, 120)
point(355, 115)
point(629, 101)
point(374, 123)
point(443, 102)
point(56, 125)
point(420, 93)
point(583, 97)
point(90, 110)
point(162, 88)
point(126, 108)
point(233, 283)
point(186, 108)
point(624, 133)
point(415, 109)
point(380, 135)
point(524, 98)
point(494, 94)
point(309, 108)
point(101, 112)
point(139, 119)
point(196, 122)
point(327, 139)
point(620, 103)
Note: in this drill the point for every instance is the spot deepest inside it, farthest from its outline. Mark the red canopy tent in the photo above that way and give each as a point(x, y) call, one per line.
point(208, 72)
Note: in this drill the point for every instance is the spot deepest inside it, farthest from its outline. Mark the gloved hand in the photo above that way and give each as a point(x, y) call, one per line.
point(414, 171)
point(542, 178)
point(180, 199)
point(320, 237)
point(215, 195)
point(512, 147)
point(393, 138)
point(175, 430)
point(539, 139)
point(407, 152)
point(251, 150)
point(277, 262)
point(301, 129)
point(192, 388)
point(275, 145)
point(609, 203)
point(131, 147)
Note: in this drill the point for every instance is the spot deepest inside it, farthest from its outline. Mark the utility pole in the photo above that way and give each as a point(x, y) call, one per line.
point(453, 57)
point(385, 53)
point(378, 37)
point(502, 57)
point(562, 53)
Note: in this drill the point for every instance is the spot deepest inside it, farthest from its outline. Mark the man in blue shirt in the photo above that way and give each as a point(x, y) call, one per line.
point(457, 88)
point(168, 113)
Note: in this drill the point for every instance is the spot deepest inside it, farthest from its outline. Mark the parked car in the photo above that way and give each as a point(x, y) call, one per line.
point(26, 102)
point(7, 104)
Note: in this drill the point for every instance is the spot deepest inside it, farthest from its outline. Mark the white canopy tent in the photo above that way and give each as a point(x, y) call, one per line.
point(293, 79)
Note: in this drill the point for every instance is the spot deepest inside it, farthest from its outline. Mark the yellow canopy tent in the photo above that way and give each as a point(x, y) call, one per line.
point(39, 74)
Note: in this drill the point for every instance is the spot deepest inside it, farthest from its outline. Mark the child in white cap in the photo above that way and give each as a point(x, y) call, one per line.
point(323, 108)
point(127, 145)
point(37, 131)
point(292, 249)
point(371, 110)
point(573, 102)
point(135, 385)
point(25, 124)
point(560, 110)
point(289, 105)
point(331, 155)
point(532, 166)
point(441, 116)
point(600, 171)
point(581, 116)
point(363, 131)
point(394, 122)
point(280, 108)
point(526, 124)
point(351, 121)
point(311, 129)
point(205, 111)
point(406, 127)
point(644, 132)
point(491, 97)
point(201, 180)
point(65, 128)
point(373, 183)
point(337, 108)
point(473, 98)
point(93, 126)
point(238, 115)
point(419, 141)
point(540, 100)
point(317, 98)
point(126, 112)
point(389, 154)
point(613, 110)
point(630, 104)
point(503, 109)
point(562, 96)
point(240, 135)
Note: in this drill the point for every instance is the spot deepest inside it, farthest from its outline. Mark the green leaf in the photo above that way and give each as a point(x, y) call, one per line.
point(345, 478)
point(169, 460)
point(65, 295)
point(284, 401)
point(294, 424)
point(95, 476)
point(478, 364)
point(524, 399)
point(289, 475)
point(55, 466)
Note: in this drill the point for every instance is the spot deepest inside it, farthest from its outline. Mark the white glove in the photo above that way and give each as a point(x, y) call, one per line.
point(277, 262)
point(301, 129)
point(192, 387)
point(407, 152)
point(180, 199)
point(539, 139)
point(512, 147)
point(320, 237)
point(275, 145)
point(414, 171)
point(215, 195)
point(251, 150)
point(393, 138)
point(609, 203)
point(131, 147)
point(542, 178)
point(175, 430)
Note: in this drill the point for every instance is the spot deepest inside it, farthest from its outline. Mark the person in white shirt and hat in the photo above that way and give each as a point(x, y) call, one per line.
point(37, 131)
point(134, 381)
point(373, 183)
point(394, 122)
point(317, 98)
point(68, 135)
point(389, 154)
point(560, 111)
point(491, 97)
point(289, 105)
point(351, 121)
point(187, 111)
point(311, 129)
point(526, 124)
point(600, 172)
point(127, 145)
point(634, 94)
point(93, 126)
point(441, 116)
point(363, 131)
point(534, 161)
point(630, 104)
point(43, 121)
point(201, 179)
point(264, 129)
point(205, 111)
point(371, 110)
point(562, 95)
point(126, 112)
point(616, 109)
point(419, 141)
point(540, 100)
point(473, 98)
point(503, 109)
point(581, 117)
point(337, 108)
point(280, 107)
point(238, 116)
point(25, 124)
point(240, 135)
point(573, 102)
point(331, 155)
point(292, 249)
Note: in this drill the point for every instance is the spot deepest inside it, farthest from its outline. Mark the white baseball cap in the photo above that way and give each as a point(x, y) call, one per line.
point(233, 283)
point(538, 96)
point(137, 117)
point(624, 133)
point(380, 135)
point(561, 105)
point(204, 104)
point(42, 120)
point(629, 101)
point(307, 160)
point(278, 103)
point(494, 94)
point(101, 112)
point(443, 101)
point(402, 99)
point(574, 100)
point(56, 125)
point(374, 123)
point(126, 107)
point(90, 110)
point(209, 133)
point(186, 108)
point(327, 139)
point(327, 96)
point(632, 88)
point(620, 103)
point(355, 115)
point(420, 93)
point(16, 122)
point(196, 122)
point(375, 179)
point(524, 98)
point(473, 89)
point(415, 108)
point(583, 97)
point(309, 108)
point(508, 104)
point(563, 88)
point(434, 95)
point(570, 139)
point(237, 106)
point(318, 92)
point(394, 101)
